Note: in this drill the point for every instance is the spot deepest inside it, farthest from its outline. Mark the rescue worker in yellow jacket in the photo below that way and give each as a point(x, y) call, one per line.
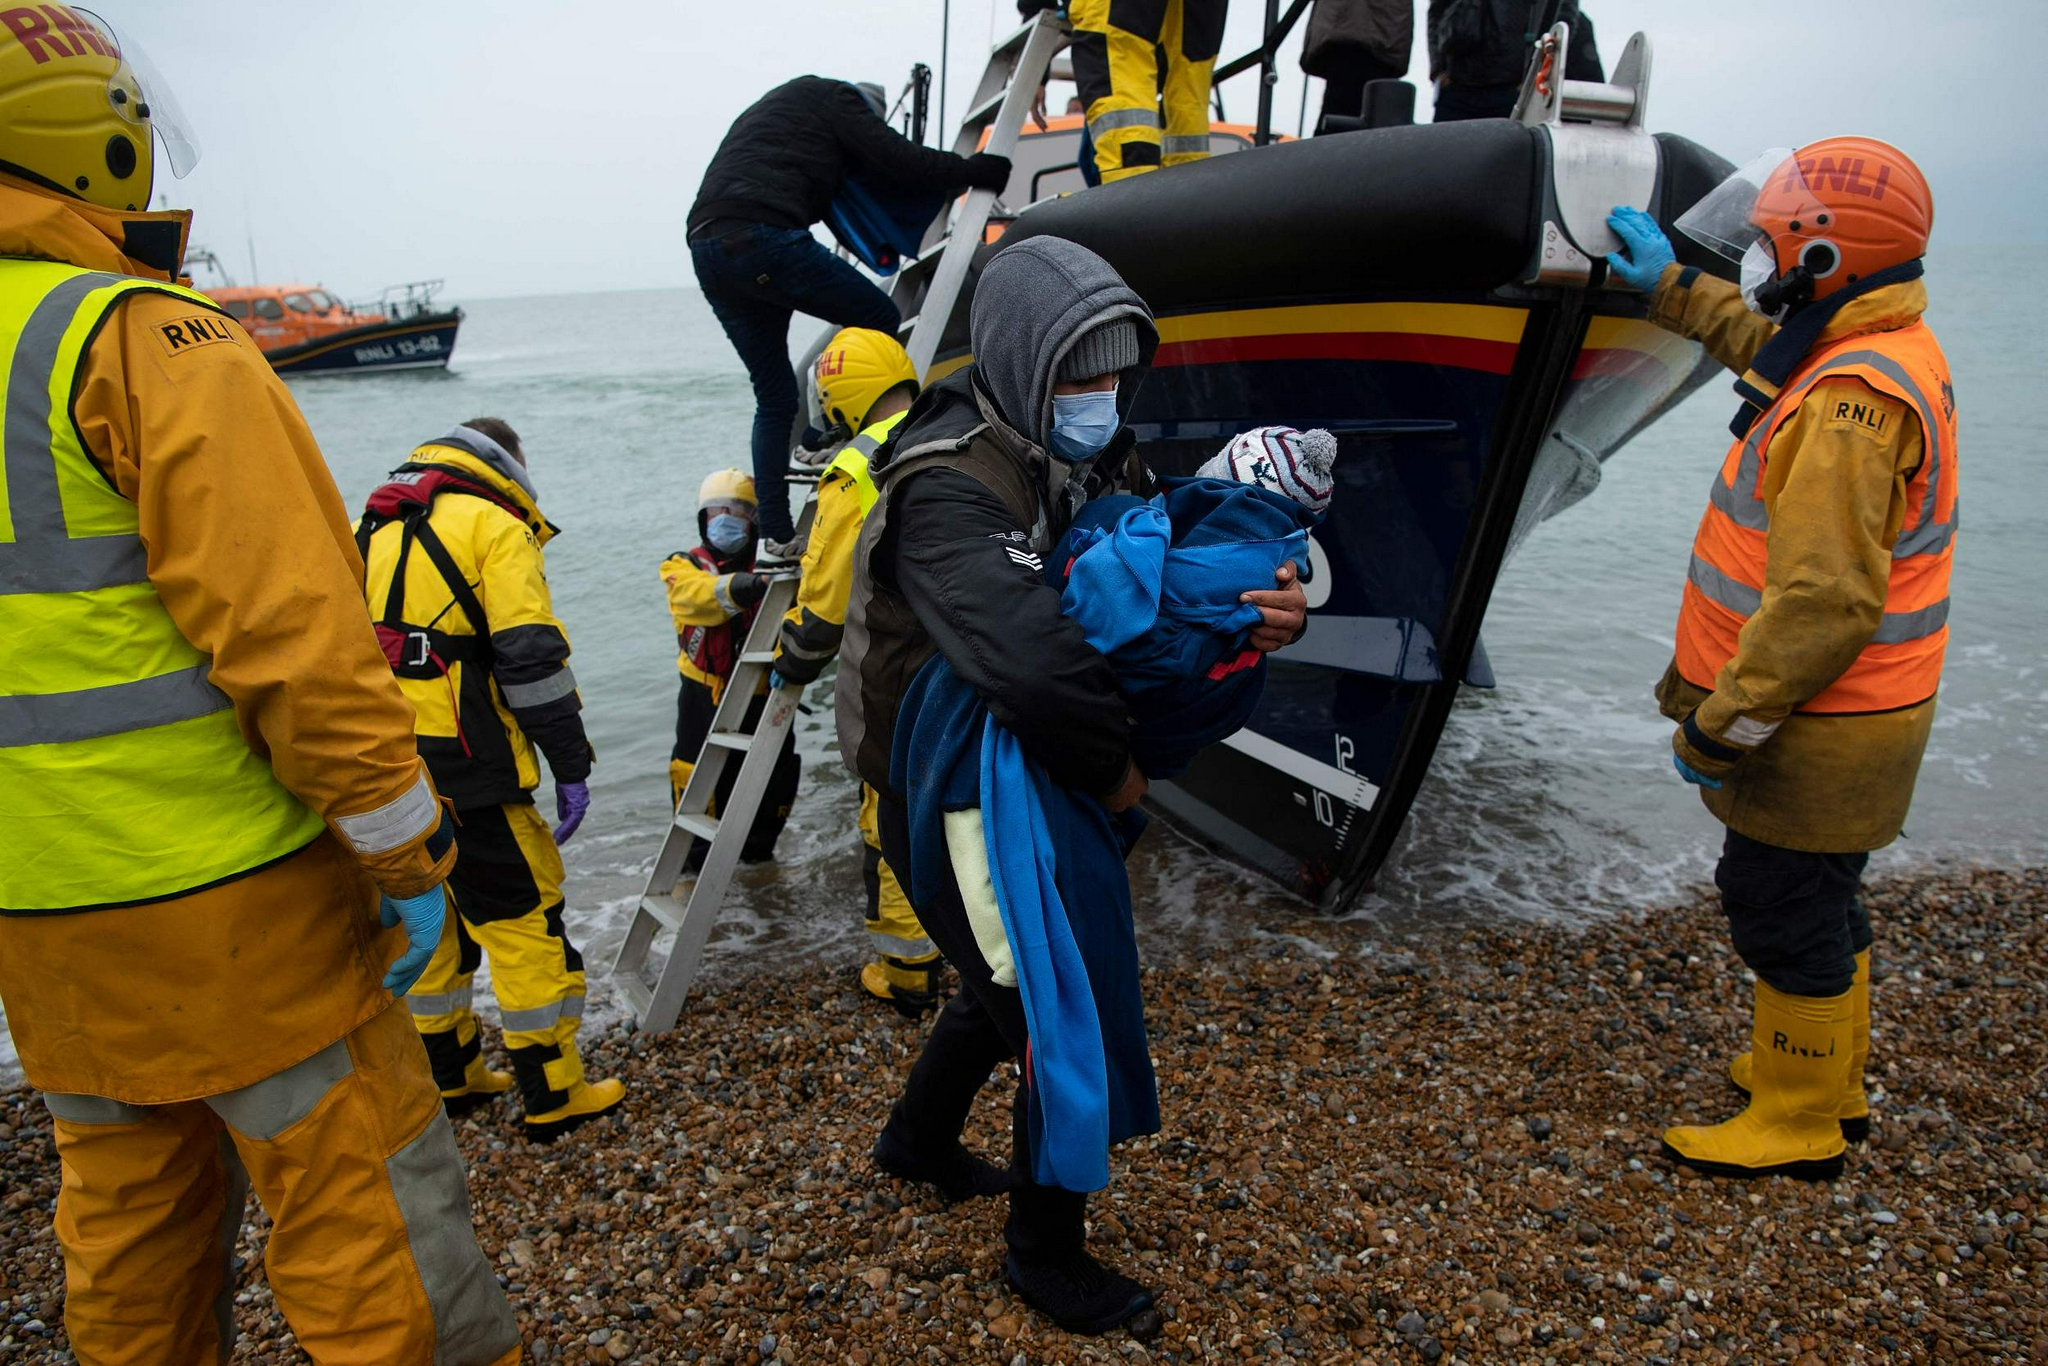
point(865, 383)
point(1814, 618)
point(1117, 49)
point(713, 595)
point(457, 589)
point(208, 787)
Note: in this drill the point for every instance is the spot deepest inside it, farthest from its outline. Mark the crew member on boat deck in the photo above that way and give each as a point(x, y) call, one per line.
point(1814, 620)
point(865, 384)
point(781, 165)
point(211, 788)
point(1117, 50)
point(1479, 52)
point(460, 599)
point(974, 490)
point(713, 594)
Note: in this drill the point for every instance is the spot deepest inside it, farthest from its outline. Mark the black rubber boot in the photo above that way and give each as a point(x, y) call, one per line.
point(1051, 1270)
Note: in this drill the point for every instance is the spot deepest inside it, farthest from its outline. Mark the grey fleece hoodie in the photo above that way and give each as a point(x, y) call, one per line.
point(1034, 300)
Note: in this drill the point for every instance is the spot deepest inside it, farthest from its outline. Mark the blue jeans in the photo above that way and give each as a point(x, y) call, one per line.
point(754, 279)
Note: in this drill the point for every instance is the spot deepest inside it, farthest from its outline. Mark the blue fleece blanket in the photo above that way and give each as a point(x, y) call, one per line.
point(1154, 586)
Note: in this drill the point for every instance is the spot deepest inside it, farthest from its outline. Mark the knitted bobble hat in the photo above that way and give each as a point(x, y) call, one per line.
point(1292, 463)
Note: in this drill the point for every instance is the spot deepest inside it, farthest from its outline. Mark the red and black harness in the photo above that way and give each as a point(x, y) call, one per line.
point(424, 651)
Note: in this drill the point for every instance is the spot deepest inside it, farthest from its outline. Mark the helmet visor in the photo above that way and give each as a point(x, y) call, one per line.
point(1724, 220)
point(142, 97)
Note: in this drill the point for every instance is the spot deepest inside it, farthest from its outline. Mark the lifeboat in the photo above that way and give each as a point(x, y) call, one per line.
point(1434, 295)
point(304, 329)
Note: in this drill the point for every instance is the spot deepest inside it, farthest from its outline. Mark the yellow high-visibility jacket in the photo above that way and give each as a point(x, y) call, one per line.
point(247, 548)
point(812, 628)
point(485, 693)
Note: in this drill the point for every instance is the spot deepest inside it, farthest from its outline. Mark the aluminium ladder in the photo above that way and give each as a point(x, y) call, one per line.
point(1016, 68)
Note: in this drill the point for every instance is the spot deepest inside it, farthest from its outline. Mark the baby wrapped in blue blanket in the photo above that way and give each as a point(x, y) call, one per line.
point(1155, 585)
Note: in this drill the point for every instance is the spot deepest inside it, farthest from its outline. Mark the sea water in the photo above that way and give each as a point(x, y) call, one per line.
point(1552, 795)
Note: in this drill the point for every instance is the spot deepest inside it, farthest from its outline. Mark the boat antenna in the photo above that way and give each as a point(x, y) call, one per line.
point(255, 277)
point(945, 59)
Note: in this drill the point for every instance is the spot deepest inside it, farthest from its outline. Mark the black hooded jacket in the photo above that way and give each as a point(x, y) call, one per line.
point(951, 560)
point(783, 160)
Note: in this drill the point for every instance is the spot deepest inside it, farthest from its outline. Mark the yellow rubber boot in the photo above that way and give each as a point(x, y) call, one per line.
point(480, 1083)
point(587, 1100)
point(1855, 1114)
point(912, 988)
point(1799, 1064)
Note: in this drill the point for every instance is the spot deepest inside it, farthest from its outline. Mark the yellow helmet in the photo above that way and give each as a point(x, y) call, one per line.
point(855, 369)
point(725, 490)
point(78, 108)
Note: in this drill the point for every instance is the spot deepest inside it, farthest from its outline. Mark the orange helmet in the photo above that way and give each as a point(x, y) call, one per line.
point(1821, 218)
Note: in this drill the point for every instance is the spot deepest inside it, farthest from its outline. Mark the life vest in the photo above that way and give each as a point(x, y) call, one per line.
point(421, 650)
point(715, 650)
point(1901, 666)
point(127, 776)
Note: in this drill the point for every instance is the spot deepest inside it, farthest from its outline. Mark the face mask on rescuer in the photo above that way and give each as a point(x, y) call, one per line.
point(1759, 268)
point(1082, 424)
point(728, 533)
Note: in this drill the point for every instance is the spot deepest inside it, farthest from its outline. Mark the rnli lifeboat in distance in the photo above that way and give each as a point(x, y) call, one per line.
point(305, 330)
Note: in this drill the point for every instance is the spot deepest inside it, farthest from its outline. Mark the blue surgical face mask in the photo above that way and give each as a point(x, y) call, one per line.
point(1082, 424)
point(728, 533)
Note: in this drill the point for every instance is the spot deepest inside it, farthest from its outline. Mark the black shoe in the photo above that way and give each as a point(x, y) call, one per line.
point(959, 1175)
point(1082, 1295)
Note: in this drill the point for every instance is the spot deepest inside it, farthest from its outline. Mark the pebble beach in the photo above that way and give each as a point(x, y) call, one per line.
point(1432, 1144)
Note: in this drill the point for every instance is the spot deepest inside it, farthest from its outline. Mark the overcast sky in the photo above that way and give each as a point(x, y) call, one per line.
point(535, 146)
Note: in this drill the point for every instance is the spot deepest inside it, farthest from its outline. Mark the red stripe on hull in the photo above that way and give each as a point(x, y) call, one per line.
point(1464, 353)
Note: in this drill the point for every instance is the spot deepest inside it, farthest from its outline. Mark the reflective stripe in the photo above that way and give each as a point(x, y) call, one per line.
point(721, 591)
point(1737, 597)
point(440, 1003)
point(1182, 144)
point(866, 445)
point(1903, 626)
point(52, 718)
point(76, 1109)
point(1740, 503)
point(559, 685)
point(43, 558)
point(542, 1017)
point(1926, 536)
point(473, 1323)
point(393, 824)
point(1744, 601)
point(1111, 120)
point(268, 1108)
point(1747, 732)
point(896, 946)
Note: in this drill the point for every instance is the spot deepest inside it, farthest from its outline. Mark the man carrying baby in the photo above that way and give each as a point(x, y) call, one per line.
point(976, 488)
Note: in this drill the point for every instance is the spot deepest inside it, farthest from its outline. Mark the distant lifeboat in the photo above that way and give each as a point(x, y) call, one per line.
point(303, 329)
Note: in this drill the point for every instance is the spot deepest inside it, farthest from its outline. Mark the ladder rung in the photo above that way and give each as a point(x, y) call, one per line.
point(985, 111)
point(638, 994)
point(697, 823)
point(666, 909)
point(1015, 41)
point(730, 739)
point(758, 657)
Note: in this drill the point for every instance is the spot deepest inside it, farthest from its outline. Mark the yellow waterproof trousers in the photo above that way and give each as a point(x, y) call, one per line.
point(371, 1257)
point(1117, 50)
point(507, 892)
point(892, 924)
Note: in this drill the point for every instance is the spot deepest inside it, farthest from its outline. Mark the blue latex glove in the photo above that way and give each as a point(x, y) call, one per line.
point(1647, 249)
point(776, 682)
point(1693, 775)
point(572, 804)
point(422, 916)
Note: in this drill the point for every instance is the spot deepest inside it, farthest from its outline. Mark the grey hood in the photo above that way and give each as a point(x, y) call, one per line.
point(491, 453)
point(1033, 301)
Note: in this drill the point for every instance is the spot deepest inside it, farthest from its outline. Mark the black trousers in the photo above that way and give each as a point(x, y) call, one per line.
point(1350, 69)
point(981, 1026)
point(1794, 917)
point(694, 712)
point(1456, 102)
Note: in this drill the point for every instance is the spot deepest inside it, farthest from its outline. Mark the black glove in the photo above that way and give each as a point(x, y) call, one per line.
point(746, 589)
point(986, 171)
